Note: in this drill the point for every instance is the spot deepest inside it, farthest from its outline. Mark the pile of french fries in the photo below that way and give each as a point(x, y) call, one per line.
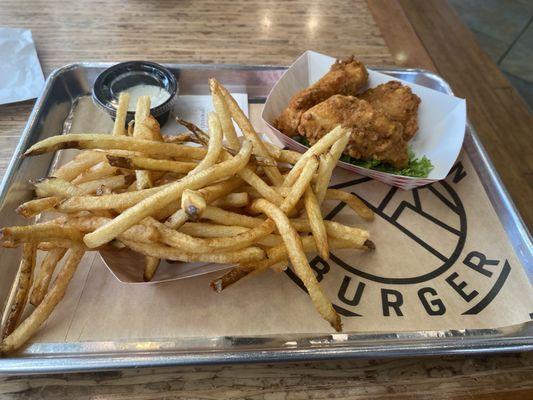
point(197, 196)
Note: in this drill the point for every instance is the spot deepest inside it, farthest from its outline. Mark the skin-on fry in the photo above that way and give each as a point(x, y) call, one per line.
point(248, 130)
point(224, 217)
point(107, 202)
point(79, 164)
point(100, 170)
point(31, 324)
point(277, 253)
point(44, 274)
point(108, 142)
point(224, 116)
point(327, 164)
point(252, 179)
point(142, 111)
point(150, 267)
point(209, 193)
point(299, 261)
point(352, 201)
point(151, 164)
point(192, 244)
point(214, 147)
point(193, 203)
point(234, 200)
point(318, 148)
point(119, 127)
point(111, 183)
point(314, 215)
point(37, 206)
point(333, 229)
point(56, 187)
point(179, 138)
point(40, 233)
point(131, 124)
point(250, 254)
point(169, 194)
point(204, 230)
point(23, 284)
point(140, 233)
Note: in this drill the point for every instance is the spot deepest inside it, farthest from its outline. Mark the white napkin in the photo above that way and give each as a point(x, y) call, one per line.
point(21, 77)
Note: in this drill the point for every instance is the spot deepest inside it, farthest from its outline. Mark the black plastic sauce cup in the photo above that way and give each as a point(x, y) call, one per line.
point(123, 76)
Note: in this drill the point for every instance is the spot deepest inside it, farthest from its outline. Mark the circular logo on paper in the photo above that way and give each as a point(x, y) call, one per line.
point(419, 233)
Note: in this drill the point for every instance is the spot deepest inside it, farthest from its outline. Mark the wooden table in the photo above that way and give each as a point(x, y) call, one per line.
point(414, 33)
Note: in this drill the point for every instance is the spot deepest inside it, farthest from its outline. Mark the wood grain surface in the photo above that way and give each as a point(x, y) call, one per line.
point(500, 116)
point(506, 377)
point(258, 32)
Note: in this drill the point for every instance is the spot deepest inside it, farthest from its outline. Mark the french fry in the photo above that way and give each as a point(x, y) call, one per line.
point(111, 183)
point(31, 324)
point(55, 187)
point(299, 261)
point(78, 165)
point(140, 131)
point(203, 230)
point(40, 233)
point(140, 233)
point(23, 284)
point(119, 127)
point(255, 181)
point(248, 130)
point(131, 125)
point(224, 217)
point(150, 267)
point(352, 201)
point(151, 164)
point(107, 202)
point(151, 128)
point(327, 163)
point(300, 185)
point(44, 274)
point(108, 142)
point(197, 245)
point(224, 116)
point(214, 147)
point(314, 215)
point(193, 203)
point(318, 148)
point(250, 254)
point(98, 171)
point(170, 193)
point(289, 156)
point(210, 193)
point(333, 229)
point(234, 200)
point(206, 230)
point(37, 206)
point(179, 138)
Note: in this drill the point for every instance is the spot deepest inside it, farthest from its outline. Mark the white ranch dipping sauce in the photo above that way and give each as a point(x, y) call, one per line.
point(158, 95)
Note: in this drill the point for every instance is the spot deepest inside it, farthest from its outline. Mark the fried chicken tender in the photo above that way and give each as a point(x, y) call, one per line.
point(398, 103)
point(345, 77)
point(373, 135)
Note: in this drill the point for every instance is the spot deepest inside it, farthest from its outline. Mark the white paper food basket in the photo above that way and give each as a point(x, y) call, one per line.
point(441, 118)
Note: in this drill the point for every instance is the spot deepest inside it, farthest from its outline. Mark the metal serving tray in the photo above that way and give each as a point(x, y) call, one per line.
point(63, 88)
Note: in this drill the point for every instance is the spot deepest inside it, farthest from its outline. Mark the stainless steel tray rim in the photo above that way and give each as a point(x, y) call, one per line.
point(41, 358)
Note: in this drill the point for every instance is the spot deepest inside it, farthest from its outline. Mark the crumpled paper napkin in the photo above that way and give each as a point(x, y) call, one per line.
point(21, 77)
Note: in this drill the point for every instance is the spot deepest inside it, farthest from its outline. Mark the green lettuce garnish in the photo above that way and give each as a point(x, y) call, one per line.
point(417, 167)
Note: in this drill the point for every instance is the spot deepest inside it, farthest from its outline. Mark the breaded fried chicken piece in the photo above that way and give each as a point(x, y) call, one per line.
point(373, 135)
point(398, 102)
point(346, 77)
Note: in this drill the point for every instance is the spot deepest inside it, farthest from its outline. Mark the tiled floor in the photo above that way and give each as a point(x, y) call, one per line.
point(504, 29)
